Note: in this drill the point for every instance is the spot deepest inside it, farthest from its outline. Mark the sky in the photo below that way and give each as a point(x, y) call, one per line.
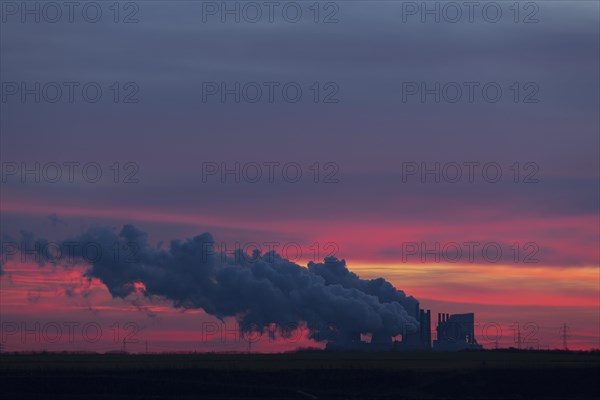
point(455, 154)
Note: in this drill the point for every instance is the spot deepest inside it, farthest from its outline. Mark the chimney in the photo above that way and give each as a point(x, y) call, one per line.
point(422, 325)
point(428, 332)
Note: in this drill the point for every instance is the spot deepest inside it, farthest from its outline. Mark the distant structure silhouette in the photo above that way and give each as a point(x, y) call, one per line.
point(564, 336)
point(454, 333)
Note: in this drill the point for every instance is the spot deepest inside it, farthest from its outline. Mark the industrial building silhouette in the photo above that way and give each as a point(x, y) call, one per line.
point(454, 332)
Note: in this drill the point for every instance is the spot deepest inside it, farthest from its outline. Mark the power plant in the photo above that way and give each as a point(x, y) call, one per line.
point(454, 332)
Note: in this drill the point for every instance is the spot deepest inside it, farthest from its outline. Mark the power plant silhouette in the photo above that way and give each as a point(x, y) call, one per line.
point(454, 332)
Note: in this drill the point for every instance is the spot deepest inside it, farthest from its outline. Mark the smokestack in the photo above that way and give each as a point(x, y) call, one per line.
point(422, 325)
point(447, 317)
point(428, 333)
point(439, 318)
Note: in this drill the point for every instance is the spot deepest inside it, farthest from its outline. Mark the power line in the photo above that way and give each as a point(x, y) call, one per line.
point(564, 336)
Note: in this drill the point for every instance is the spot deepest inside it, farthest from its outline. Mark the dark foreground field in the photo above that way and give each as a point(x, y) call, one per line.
point(318, 375)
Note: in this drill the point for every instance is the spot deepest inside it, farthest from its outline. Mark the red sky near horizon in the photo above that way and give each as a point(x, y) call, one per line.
point(510, 295)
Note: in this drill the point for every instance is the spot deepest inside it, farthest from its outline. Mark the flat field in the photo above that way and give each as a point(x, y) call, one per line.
point(303, 375)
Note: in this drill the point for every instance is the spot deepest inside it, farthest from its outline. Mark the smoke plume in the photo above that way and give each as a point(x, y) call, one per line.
point(259, 290)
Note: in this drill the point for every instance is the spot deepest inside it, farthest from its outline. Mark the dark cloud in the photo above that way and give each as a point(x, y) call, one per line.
point(370, 52)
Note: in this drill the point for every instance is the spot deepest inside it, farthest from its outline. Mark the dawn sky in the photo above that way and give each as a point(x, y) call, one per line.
point(457, 160)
